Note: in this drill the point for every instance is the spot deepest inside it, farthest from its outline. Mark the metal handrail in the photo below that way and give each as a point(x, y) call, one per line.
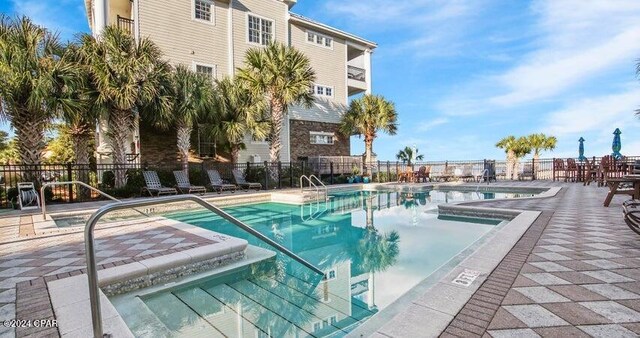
point(310, 185)
point(482, 176)
point(44, 207)
point(92, 272)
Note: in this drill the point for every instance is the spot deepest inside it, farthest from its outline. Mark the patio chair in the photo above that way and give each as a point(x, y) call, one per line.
point(591, 172)
point(448, 173)
point(559, 170)
point(183, 184)
point(153, 185)
point(241, 181)
point(526, 172)
point(571, 171)
point(467, 173)
point(216, 183)
point(631, 211)
point(423, 174)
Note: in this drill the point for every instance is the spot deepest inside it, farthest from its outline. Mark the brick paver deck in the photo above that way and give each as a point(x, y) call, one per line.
point(28, 262)
point(575, 273)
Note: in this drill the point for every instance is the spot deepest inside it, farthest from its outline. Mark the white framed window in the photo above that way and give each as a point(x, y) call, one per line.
point(203, 10)
point(209, 71)
point(259, 30)
point(316, 137)
point(320, 90)
point(331, 274)
point(319, 39)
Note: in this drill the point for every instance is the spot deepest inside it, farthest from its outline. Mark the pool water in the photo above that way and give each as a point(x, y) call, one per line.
point(372, 246)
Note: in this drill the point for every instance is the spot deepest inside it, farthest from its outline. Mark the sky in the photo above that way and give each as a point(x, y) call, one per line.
point(465, 73)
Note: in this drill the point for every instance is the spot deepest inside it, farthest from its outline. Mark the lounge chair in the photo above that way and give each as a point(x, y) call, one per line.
point(631, 209)
point(423, 174)
point(527, 172)
point(216, 183)
point(571, 171)
point(183, 184)
point(559, 169)
point(448, 173)
point(241, 181)
point(467, 173)
point(153, 185)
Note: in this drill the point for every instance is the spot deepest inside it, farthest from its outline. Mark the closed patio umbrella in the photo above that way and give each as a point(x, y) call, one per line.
point(581, 157)
point(617, 144)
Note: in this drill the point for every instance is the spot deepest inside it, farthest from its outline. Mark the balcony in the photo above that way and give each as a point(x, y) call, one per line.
point(126, 24)
point(356, 73)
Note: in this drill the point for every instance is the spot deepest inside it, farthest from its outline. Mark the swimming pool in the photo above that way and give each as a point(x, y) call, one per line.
point(372, 246)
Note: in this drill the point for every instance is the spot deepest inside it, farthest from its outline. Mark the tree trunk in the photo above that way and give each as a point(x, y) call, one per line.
point(120, 124)
point(30, 137)
point(368, 149)
point(277, 119)
point(510, 160)
point(81, 141)
point(235, 152)
point(536, 165)
point(184, 144)
point(516, 162)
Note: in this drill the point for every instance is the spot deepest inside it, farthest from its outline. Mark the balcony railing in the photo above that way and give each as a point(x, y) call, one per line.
point(356, 73)
point(126, 24)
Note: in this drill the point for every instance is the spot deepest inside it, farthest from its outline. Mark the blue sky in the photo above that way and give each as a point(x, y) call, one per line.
point(465, 73)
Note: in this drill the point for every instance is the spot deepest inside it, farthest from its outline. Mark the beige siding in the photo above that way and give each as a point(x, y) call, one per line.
point(269, 9)
point(262, 149)
point(330, 64)
point(183, 40)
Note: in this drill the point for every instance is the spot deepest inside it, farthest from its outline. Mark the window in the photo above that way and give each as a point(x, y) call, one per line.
point(202, 10)
point(207, 71)
point(319, 39)
point(331, 274)
point(260, 30)
point(321, 138)
point(323, 90)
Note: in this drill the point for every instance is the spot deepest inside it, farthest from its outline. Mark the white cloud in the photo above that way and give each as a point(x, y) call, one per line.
point(430, 124)
point(595, 114)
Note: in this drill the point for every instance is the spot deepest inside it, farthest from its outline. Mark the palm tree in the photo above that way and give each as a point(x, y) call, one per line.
point(237, 113)
point(516, 148)
point(541, 142)
point(284, 76)
point(192, 99)
point(407, 156)
point(129, 78)
point(366, 117)
point(35, 82)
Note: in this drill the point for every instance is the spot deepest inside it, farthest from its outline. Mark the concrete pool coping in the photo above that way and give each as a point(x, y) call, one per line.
point(437, 298)
point(70, 296)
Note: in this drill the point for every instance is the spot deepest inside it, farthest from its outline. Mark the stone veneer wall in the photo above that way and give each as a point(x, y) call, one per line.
point(302, 147)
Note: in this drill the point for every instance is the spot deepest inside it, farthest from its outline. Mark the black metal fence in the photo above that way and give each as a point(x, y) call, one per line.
point(277, 175)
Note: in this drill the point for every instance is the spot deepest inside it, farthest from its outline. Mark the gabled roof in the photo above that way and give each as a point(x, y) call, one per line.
point(319, 25)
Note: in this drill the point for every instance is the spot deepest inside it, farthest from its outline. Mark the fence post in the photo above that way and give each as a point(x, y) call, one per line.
point(553, 169)
point(331, 172)
point(303, 168)
point(279, 175)
point(266, 175)
point(290, 174)
point(533, 169)
point(378, 171)
point(388, 171)
point(70, 178)
point(397, 169)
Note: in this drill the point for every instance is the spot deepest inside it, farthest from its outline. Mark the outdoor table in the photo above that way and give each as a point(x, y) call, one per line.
point(614, 187)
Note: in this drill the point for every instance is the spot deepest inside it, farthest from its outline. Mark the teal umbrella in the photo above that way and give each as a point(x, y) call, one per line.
point(617, 144)
point(581, 157)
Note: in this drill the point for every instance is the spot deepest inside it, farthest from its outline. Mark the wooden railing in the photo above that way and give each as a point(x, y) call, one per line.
point(126, 24)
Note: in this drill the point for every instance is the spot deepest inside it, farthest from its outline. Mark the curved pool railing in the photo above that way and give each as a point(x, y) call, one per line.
point(92, 273)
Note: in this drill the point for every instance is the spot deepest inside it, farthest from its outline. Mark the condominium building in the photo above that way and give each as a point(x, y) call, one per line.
point(212, 36)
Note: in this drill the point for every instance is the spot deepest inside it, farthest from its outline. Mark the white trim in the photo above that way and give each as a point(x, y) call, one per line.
point(322, 133)
point(136, 18)
point(230, 52)
point(325, 87)
point(213, 12)
point(315, 43)
point(246, 29)
point(214, 72)
point(321, 26)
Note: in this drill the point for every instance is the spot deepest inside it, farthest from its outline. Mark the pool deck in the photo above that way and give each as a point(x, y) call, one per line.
point(574, 272)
